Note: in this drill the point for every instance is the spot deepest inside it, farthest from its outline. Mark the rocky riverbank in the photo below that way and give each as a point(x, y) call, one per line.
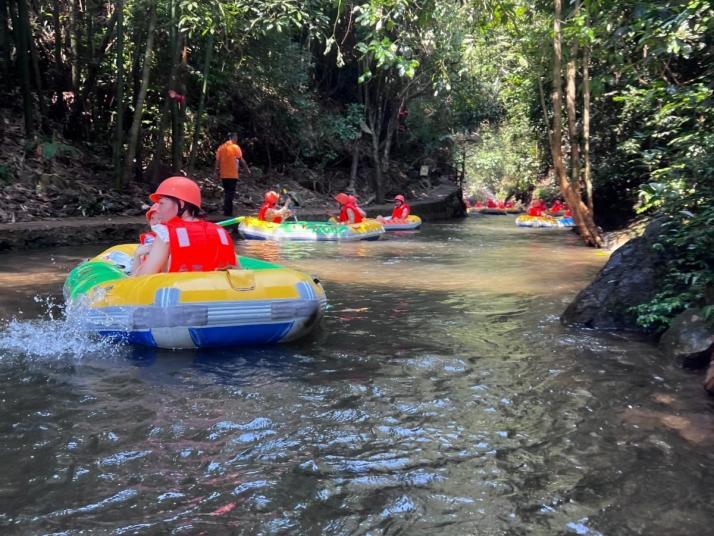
point(633, 276)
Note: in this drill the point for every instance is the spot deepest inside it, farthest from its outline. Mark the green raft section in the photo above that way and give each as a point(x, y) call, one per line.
point(92, 273)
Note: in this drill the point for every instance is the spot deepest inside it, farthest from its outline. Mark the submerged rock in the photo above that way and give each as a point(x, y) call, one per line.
point(689, 339)
point(631, 277)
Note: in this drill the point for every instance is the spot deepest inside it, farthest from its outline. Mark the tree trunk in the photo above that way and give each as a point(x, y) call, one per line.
point(57, 27)
point(546, 121)
point(4, 40)
point(166, 108)
point(201, 99)
point(571, 98)
point(119, 137)
point(586, 129)
point(179, 112)
point(24, 61)
point(74, 43)
point(138, 109)
point(354, 166)
point(90, 83)
point(392, 123)
point(583, 217)
point(36, 71)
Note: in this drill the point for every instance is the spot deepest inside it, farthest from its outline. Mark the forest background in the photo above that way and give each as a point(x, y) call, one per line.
point(607, 104)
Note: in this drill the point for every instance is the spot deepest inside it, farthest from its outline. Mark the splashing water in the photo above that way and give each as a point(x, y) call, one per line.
point(59, 333)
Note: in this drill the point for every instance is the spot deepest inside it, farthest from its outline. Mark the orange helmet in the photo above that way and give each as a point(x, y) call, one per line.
point(342, 198)
point(271, 197)
point(152, 209)
point(399, 197)
point(181, 188)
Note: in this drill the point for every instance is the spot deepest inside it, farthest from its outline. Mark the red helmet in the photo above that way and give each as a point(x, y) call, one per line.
point(271, 197)
point(181, 188)
point(399, 197)
point(342, 198)
point(152, 209)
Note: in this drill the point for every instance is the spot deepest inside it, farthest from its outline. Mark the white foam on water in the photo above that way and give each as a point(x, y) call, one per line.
point(59, 333)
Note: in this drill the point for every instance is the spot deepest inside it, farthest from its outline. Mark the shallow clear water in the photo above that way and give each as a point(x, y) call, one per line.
point(441, 395)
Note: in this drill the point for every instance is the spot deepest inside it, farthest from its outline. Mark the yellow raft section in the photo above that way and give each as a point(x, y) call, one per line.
point(260, 303)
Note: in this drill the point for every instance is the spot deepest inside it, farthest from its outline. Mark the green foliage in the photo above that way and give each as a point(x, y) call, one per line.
point(676, 145)
point(503, 160)
point(54, 149)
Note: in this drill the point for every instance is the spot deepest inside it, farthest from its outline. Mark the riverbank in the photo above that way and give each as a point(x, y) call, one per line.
point(444, 202)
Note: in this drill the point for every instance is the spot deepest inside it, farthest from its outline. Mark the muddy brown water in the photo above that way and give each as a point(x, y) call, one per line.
point(440, 395)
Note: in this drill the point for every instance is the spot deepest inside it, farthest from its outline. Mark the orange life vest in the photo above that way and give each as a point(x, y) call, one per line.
point(401, 212)
point(344, 216)
point(264, 210)
point(199, 246)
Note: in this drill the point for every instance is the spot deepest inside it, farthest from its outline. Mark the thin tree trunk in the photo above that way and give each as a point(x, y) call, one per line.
point(179, 112)
point(354, 166)
point(4, 39)
point(74, 43)
point(58, 73)
point(119, 138)
point(546, 121)
point(392, 123)
point(583, 217)
point(90, 83)
point(201, 99)
point(57, 27)
point(139, 108)
point(166, 108)
point(571, 98)
point(36, 72)
point(586, 129)
point(24, 60)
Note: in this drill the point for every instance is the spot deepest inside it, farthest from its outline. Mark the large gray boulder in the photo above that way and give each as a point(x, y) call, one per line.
point(630, 277)
point(689, 339)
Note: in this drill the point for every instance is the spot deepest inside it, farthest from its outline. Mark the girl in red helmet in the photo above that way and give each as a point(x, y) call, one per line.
point(401, 210)
point(349, 211)
point(268, 212)
point(184, 242)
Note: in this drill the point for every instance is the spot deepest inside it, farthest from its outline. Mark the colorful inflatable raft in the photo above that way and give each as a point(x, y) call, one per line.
point(406, 224)
point(255, 229)
point(525, 220)
point(260, 303)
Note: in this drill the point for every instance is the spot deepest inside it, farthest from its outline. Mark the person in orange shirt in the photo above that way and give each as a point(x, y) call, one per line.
point(229, 158)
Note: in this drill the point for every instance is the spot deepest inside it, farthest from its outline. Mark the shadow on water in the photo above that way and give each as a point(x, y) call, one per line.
point(440, 393)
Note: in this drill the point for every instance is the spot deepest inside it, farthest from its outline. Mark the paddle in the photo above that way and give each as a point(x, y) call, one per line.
point(232, 221)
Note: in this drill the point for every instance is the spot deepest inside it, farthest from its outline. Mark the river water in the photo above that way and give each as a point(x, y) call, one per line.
point(441, 395)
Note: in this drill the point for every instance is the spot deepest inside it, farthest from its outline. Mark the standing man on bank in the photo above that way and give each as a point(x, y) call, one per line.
point(229, 158)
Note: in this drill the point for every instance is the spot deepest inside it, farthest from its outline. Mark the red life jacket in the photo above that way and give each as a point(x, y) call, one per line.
point(199, 246)
point(491, 204)
point(535, 211)
point(401, 212)
point(264, 210)
point(147, 237)
point(344, 216)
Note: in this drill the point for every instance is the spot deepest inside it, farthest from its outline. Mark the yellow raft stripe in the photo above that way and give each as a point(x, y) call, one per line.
point(199, 287)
